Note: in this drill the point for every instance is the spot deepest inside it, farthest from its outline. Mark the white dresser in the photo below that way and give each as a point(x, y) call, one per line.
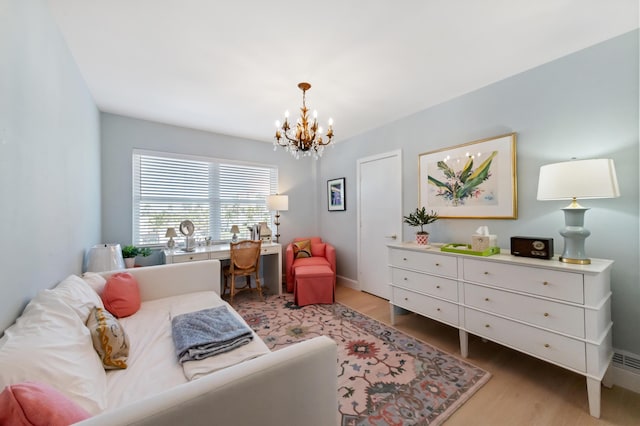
point(558, 312)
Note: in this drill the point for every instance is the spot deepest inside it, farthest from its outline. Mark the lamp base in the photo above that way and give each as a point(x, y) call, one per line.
point(574, 235)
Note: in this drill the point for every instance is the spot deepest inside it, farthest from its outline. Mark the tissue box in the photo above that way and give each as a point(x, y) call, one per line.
point(483, 242)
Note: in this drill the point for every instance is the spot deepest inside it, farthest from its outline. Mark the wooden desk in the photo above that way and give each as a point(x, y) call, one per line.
point(271, 262)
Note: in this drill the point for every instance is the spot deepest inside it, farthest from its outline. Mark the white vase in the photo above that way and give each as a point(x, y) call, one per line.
point(421, 239)
point(130, 262)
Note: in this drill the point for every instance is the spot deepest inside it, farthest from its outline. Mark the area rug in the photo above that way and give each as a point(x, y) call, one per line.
point(385, 377)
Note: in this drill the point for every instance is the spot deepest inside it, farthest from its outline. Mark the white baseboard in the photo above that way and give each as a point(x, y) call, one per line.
point(347, 282)
point(624, 378)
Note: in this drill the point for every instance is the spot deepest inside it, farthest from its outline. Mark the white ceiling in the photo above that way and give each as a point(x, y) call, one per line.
point(233, 66)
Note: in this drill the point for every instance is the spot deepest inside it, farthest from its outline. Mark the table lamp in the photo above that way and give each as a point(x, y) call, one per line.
point(278, 203)
point(571, 180)
point(104, 257)
point(234, 230)
point(171, 232)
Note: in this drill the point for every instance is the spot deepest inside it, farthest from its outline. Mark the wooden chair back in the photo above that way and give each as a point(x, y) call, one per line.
point(245, 256)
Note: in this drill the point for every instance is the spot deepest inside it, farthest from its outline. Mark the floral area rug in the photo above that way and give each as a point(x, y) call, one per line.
point(384, 376)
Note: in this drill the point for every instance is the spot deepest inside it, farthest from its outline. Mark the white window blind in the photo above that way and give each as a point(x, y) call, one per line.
point(214, 194)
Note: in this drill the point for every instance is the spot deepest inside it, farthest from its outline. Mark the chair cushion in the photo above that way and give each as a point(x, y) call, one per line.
point(38, 404)
point(311, 271)
point(121, 295)
point(317, 249)
point(302, 249)
point(306, 261)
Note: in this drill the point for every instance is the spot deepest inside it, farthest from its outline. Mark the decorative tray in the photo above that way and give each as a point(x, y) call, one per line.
point(466, 249)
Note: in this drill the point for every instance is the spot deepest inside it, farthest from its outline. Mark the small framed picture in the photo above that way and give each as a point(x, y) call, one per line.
point(336, 196)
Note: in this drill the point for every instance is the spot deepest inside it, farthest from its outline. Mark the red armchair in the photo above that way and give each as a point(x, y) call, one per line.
point(322, 253)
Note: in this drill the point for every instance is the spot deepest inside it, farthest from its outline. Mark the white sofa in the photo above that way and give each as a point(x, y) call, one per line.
point(292, 386)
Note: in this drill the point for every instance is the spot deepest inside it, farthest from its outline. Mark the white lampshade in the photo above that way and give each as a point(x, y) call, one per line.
point(235, 229)
point(104, 257)
point(171, 232)
point(578, 179)
point(278, 202)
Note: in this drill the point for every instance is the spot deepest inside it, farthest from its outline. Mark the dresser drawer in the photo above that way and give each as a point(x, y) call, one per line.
point(552, 315)
point(426, 262)
point(543, 344)
point(543, 282)
point(425, 305)
point(190, 257)
point(424, 283)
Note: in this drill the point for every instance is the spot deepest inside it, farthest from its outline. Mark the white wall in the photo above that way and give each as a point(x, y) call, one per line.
point(120, 135)
point(49, 158)
point(584, 105)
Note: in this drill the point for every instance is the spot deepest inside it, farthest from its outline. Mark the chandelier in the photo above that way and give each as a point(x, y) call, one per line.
point(305, 138)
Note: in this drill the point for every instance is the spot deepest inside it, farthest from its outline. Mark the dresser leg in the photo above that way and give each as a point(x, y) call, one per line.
point(464, 343)
point(393, 314)
point(593, 392)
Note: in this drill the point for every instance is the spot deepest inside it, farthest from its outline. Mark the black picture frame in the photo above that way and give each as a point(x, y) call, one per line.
point(336, 195)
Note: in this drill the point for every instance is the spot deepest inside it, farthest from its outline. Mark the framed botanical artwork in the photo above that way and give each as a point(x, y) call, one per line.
point(475, 180)
point(336, 196)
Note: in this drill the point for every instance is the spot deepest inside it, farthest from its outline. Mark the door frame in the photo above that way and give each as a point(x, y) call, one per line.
point(395, 153)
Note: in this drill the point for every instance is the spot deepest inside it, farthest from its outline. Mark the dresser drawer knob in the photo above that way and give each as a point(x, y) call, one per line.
point(546, 314)
point(487, 326)
point(437, 264)
point(486, 272)
point(190, 257)
point(546, 345)
point(406, 298)
point(545, 283)
point(406, 279)
point(404, 258)
point(486, 299)
point(437, 286)
point(438, 309)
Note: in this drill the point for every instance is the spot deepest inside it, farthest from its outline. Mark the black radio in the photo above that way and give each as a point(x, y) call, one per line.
point(538, 247)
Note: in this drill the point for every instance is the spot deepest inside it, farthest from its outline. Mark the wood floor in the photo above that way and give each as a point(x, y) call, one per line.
point(522, 390)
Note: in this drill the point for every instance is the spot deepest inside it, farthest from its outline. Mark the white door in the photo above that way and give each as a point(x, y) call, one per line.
point(379, 218)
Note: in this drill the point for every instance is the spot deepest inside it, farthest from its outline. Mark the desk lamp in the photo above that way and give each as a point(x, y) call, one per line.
point(235, 231)
point(171, 232)
point(571, 180)
point(278, 203)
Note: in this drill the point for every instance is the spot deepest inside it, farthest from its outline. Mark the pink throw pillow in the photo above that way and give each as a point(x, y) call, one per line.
point(121, 295)
point(317, 249)
point(38, 404)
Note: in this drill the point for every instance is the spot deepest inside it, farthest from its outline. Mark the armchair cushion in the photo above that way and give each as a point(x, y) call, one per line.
point(302, 249)
point(317, 249)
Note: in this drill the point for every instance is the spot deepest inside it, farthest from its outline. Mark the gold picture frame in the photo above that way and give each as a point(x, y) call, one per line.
point(475, 180)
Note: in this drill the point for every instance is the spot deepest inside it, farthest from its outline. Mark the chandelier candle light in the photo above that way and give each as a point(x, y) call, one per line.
point(305, 137)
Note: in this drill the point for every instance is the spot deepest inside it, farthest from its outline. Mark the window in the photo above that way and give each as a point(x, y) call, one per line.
point(213, 194)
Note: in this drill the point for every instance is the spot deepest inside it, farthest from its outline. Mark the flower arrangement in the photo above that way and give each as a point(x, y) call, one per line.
point(463, 184)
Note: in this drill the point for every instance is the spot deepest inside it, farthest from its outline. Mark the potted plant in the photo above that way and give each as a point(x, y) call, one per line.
point(420, 218)
point(130, 252)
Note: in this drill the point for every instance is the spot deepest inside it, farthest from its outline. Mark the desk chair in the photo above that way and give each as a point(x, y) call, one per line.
point(244, 262)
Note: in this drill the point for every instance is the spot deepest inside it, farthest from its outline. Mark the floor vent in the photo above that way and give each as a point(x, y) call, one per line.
point(627, 360)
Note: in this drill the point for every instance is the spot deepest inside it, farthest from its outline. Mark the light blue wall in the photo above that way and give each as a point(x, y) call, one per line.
point(584, 105)
point(120, 135)
point(49, 157)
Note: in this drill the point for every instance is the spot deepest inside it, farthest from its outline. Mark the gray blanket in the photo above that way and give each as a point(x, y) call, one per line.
point(208, 332)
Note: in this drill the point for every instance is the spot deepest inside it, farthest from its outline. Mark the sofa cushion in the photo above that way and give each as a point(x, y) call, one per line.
point(38, 404)
point(95, 280)
point(77, 294)
point(311, 261)
point(302, 249)
point(121, 295)
point(50, 344)
point(109, 339)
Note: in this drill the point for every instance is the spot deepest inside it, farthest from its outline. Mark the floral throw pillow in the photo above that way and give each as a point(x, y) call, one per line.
point(109, 339)
point(302, 249)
